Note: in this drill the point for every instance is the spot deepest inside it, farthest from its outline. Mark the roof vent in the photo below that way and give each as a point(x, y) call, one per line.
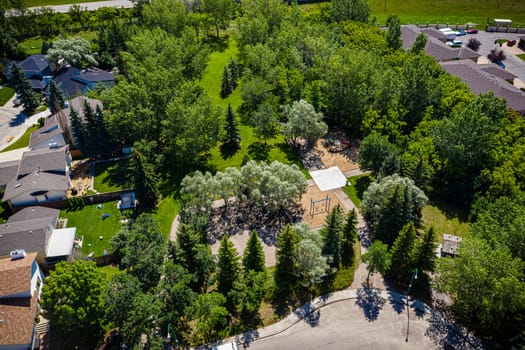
point(17, 254)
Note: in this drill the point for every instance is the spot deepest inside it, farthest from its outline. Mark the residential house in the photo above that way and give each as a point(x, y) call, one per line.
point(50, 135)
point(74, 81)
point(436, 44)
point(35, 229)
point(482, 79)
point(36, 68)
point(42, 176)
point(21, 283)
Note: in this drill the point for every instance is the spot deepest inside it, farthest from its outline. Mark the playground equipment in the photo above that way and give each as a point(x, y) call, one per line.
point(314, 209)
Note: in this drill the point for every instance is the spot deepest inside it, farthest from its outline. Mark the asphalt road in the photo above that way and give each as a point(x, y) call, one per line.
point(91, 5)
point(346, 325)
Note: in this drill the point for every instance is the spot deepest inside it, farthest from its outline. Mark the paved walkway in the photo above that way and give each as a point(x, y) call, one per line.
point(90, 6)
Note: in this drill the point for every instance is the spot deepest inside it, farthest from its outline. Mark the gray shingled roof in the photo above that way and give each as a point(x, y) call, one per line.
point(36, 212)
point(8, 170)
point(435, 33)
point(45, 133)
point(481, 81)
point(44, 160)
point(496, 70)
point(93, 75)
point(30, 235)
point(36, 181)
point(435, 47)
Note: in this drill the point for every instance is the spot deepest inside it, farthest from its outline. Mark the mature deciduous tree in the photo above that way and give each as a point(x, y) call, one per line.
point(377, 259)
point(353, 10)
point(72, 298)
point(119, 296)
point(419, 44)
point(302, 121)
point(380, 156)
point(312, 266)
point(393, 35)
point(211, 315)
point(73, 51)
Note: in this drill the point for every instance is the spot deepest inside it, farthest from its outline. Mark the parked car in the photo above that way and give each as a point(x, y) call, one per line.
point(17, 102)
point(461, 32)
point(455, 43)
point(472, 31)
point(511, 42)
point(499, 63)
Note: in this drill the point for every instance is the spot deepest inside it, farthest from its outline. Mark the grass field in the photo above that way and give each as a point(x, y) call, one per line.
point(5, 95)
point(110, 271)
point(521, 56)
point(33, 46)
point(251, 147)
point(445, 219)
point(107, 177)
point(358, 186)
point(89, 223)
point(167, 210)
point(41, 3)
point(22, 141)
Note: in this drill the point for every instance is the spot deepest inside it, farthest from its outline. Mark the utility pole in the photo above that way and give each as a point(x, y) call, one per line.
point(414, 277)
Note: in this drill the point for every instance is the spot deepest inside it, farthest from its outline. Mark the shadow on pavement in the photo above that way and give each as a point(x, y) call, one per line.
point(370, 301)
point(446, 334)
point(19, 119)
point(247, 337)
point(398, 301)
point(309, 313)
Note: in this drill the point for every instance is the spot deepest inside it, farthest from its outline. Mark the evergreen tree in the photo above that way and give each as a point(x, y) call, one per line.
point(286, 264)
point(424, 255)
point(332, 233)
point(226, 84)
point(228, 269)
point(234, 73)
point(402, 254)
point(232, 131)
point(105, 142)
point(92, 137)
point(393, 36)
point(55, 97)
point(253, 258)
point(142, 173)
point(78, 131)
point(23, 88)
point(349, 238)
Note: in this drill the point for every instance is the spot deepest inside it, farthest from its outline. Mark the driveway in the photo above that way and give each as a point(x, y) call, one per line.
point(513, 64)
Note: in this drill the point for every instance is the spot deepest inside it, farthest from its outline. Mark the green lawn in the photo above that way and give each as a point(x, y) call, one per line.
point(22, 141)
point(445, 218)
point(110, 271)
point(108, 178)
point(167, 210)
point(5, 95)
point(89, 223)
point(522, 56)
point(449, 11)
point(40, 3)
point(357, 187)
point(251, 147)
point(33, 46)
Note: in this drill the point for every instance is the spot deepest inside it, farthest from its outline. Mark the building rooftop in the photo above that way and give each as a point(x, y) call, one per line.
point(73, 80)
point(46, 133)
point(30, 235)
point(8, 170)
point(16, 275)
point(39, 183)
point(44, 159)
point(18, 318)
point(35, 212)
point(482, 81)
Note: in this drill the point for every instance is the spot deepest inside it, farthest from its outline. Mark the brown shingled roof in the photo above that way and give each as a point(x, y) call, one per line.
point(18, 318)
point(16, 275)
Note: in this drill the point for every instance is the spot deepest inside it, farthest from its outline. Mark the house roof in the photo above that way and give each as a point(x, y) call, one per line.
point(496, 70)
point(61, 242)
point(435, 33)
point(30, 235)
point(482, 81)
point(45, 133)
point(8, 170)
point(35, 62)
point(45, 159)
point(35, 182)
point(434, 46)
point(37, 84)
point(16, 275)
point(93, 75)
point(18, 316)
point(35, 212)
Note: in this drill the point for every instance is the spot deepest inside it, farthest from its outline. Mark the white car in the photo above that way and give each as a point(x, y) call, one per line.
point(227, 346)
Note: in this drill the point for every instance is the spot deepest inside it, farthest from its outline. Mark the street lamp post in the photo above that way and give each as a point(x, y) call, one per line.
point(414, 277)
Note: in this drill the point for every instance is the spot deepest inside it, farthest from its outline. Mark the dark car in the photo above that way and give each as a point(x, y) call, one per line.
point(472, 31)
point(461, 32)
point(499, 63)
point(511, 42)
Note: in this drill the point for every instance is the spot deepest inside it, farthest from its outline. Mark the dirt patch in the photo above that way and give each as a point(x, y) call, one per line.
point(332, 150)
point(80, 178)
point(319, 211)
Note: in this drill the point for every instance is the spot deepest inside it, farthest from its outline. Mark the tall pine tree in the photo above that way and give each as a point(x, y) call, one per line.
point(23, 88)
point(234, 73)
point(228, 269)
point(92, 137)
point(104, 139)
point(226, 84)
point(402, 254)
point(78, 131)
point(332, 233)
point(55, 97)
point(424, 255)
point(142, 173)
point(253, 258)
point(349, 238)
point(286, 264)
point(232, 131)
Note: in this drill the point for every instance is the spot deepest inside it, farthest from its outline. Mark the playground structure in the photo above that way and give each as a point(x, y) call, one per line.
point(315, 209)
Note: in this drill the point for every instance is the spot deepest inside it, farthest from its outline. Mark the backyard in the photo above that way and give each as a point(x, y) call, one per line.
point(109, 176)
point(445, 218)
point(33, 46)
point(94, 225)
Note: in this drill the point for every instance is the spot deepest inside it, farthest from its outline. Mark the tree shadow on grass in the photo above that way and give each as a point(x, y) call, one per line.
point(217, 44)
point(361, 185)
point(228, 150)
point(370, 301)
point(259, 151)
